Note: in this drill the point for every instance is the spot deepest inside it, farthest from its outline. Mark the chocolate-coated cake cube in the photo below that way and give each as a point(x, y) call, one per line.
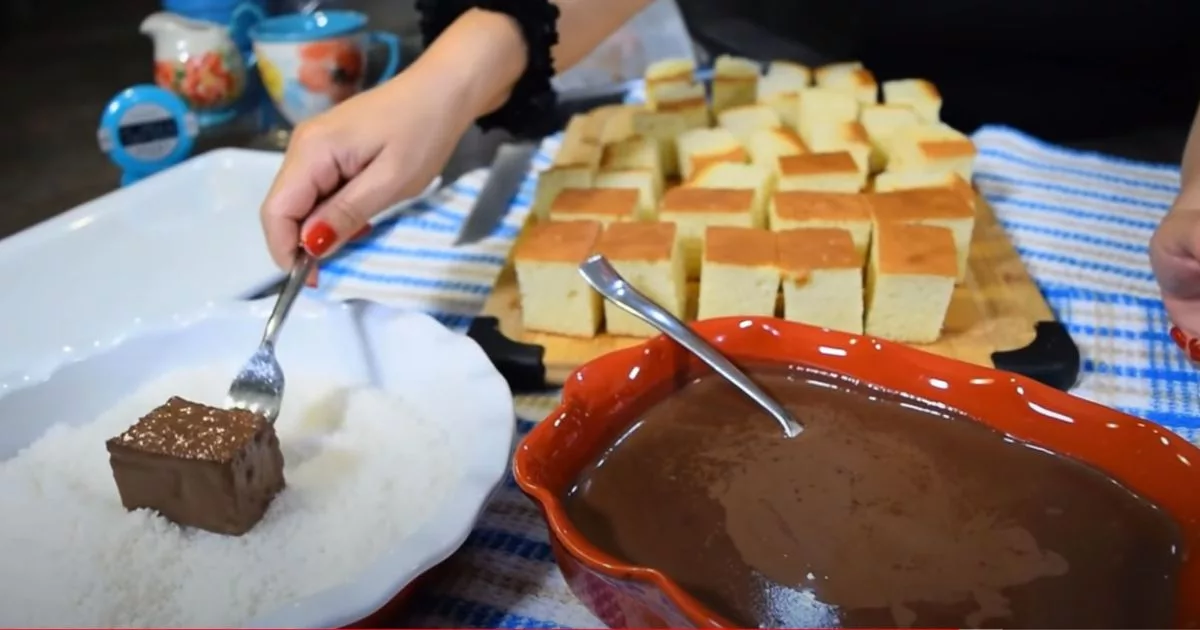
point(199, 466)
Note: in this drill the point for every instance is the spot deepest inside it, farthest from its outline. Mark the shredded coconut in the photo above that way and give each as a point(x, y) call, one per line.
point(363, 471)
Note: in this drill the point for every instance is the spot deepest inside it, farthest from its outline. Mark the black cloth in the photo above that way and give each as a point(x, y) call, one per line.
point(1061, 69)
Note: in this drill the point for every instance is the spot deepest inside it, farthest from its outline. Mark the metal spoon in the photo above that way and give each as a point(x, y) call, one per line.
point(258, 387)
point(599, 273)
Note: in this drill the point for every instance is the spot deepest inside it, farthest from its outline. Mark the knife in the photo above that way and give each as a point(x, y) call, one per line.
point(509, 169)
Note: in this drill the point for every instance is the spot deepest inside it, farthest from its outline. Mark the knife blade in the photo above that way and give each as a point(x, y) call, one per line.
point(508, 170)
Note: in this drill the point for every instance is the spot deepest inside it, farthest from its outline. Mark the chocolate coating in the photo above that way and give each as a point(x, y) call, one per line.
point(885, 512)
point(199, 466)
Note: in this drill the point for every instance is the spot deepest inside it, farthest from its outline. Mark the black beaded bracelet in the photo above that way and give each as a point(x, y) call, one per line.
point(529, 111)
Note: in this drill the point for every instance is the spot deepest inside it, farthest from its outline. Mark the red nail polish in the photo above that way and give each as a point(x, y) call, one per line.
point(319, 239)
point(1193, 349)
point(365, 230)
point(1179, 338)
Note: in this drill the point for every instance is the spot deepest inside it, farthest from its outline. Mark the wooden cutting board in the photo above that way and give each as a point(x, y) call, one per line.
point(997, 318)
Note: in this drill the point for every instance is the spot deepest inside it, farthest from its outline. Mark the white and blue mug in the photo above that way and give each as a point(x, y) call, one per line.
point(310, 62)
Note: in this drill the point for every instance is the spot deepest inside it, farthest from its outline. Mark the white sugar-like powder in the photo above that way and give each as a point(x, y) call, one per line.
point(363, 471)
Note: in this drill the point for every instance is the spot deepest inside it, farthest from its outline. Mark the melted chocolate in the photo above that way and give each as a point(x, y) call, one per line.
point(884, 512)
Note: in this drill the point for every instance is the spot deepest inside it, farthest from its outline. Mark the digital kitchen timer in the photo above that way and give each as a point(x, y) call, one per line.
point(146, 129)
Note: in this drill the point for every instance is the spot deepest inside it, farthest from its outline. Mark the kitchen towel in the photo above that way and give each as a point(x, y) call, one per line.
point(1080, 221)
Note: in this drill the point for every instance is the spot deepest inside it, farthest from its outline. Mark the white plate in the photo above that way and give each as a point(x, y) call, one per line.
point(168, 244)
point(444, 375)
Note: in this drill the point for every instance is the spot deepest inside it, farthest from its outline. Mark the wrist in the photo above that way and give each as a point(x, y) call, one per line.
point(474, 63)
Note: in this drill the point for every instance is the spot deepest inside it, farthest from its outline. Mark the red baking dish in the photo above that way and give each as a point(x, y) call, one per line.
point(603, 397)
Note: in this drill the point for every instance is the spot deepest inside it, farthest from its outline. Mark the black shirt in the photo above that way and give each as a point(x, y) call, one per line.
point(1061, 69)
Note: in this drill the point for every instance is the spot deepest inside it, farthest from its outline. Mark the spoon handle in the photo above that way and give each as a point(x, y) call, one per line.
point(601, 275)
point(287, 296)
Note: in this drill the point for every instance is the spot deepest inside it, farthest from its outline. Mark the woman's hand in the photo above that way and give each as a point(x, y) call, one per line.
point(1175, 259)
point(360, 158)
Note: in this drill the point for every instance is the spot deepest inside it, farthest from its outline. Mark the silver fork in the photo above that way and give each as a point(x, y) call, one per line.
point(258, 387)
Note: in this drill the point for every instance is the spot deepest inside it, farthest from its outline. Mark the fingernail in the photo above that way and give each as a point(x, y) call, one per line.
point(319, 239)
point(311, 280)
point(1193, 349)
point(1179, 338)
point(366, 229)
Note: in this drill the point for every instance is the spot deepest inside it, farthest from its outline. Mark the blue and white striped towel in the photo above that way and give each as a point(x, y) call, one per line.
point(1080, 221)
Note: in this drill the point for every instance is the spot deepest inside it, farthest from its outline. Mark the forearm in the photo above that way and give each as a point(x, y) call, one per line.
point(482, 54)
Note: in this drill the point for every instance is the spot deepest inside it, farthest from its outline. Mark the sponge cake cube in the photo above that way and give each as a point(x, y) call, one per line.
point(822, 278)
point(880, 122)
point(578, 150)
point(694, 209)
point(734, 83)
point(830, 71)
point(554, 298)
point(697, 147)
point(743, 120)
point(582, 127)
point(685, 99)
point(829, 172)
point(664, 128)
point(768, 145)
point(818, 108)
point(643, 180)
point(667, 72)
point(921, 95)
point(738, 274)
point(634, 152)
point(616, 123)
point(910, 282)
point(603, 205)
point(930, 147)
point(943, 207)
point(845, 136)
point(647, 255)
point(730, 175)
point(799, 75)
point(858, 82)
point(889, 182)
point(554, 180)
point(794, 210)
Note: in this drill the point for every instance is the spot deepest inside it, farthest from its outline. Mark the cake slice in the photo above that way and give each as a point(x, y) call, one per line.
point(829, 172)
point(733, 176)
point(822, 278)
point(943, 207)
point(665, 128)
point(797, 74)
point(578, 151)
point(738, 274)
point(910, 282)
point(554, 180)
point(792, 210)
point(582, 128)
point(768, 145)
point(819, 108)
point(889, 182)
point(698, 147)
point(831, 71)
point(880, 122)
point(694, 209)
point(921, 95)
point(743, 120)
point(930, 147)
point(643, 180)
point(858, 82)
point(634, 152)
point(617, 123)
point(734, 83)
point(686, 99)
point(554, 297)
point(603, 205)
point(647, 255)
point(845, 136)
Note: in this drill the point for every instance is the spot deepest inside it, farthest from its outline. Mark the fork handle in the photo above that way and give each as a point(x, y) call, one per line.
point(287, 296)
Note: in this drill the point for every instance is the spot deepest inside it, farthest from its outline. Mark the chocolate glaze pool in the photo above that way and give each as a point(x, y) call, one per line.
point(885, 512)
